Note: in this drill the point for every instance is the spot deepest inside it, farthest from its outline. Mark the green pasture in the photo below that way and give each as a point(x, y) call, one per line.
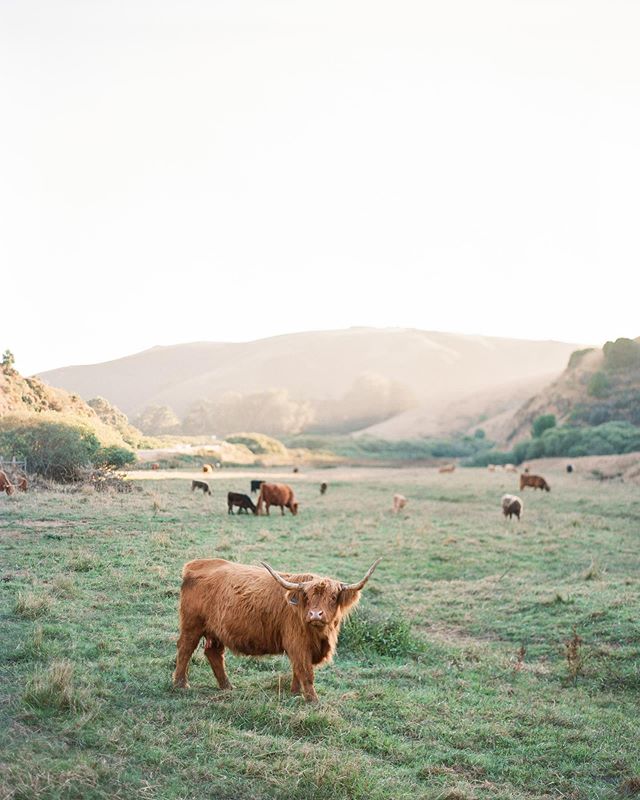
point(488, 658)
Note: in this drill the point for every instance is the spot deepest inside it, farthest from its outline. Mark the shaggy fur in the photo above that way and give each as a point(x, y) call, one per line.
point(536, 481)
point(511, 505)
point(243, 608)
point(277, 494)
point(5, 483)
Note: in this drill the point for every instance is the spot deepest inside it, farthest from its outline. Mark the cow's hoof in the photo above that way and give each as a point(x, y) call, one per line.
point(181, 684)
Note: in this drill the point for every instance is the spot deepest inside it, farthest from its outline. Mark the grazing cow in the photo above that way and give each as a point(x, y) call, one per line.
point(277, 494)
point(260, 612)
point(5, 484)
point(155, 466)
point(511, 505)
point(243, 501)
point(491, 467)
point(207, 468)
point(255, 486)
point(200, 485)
point(22, 484)
point(510, 468)
point(323, 488)
point(399, 502)
point(569, 468)
point(535, 481)
point(447, 468)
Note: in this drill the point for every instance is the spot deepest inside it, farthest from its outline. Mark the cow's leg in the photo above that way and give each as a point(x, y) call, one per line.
point(282, 510)
point(303, 677)
point(214, 651)
point(268, 507)
point(187, 643)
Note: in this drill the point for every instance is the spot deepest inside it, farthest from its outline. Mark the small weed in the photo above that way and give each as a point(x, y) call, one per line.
point(30, 605)
point(54, 688)
point(574, 656)
point(593, 572)
point(82, 561)
point(630, 787)
point(64, 586)
point(367, 632)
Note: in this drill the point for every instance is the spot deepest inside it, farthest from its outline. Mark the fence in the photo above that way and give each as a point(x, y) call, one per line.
point(13, 465)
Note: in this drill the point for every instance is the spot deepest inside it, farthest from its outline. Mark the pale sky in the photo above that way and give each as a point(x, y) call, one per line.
point(190, 170)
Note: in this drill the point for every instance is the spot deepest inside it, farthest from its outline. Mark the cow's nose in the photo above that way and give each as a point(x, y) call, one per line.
point(313, 615)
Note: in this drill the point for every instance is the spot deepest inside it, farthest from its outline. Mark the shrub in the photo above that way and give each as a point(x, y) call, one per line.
point(114, 456)
point(258, 443)
point(542, 423)
point(55, 450)
point(366, 632)
point(55, 688)
point(598, 385)
point(621, 354)
point(576, 357)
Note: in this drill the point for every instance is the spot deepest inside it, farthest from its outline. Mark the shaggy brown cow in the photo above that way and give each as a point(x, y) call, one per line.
point(243, 501)
point(200, 485)
point(447, 468)
point(323, 487)
point(536, 481)
point(207, 468)
point(277, 494)
point(511, 505)
point(5, 483)
point(259, 612)
point(21, 483)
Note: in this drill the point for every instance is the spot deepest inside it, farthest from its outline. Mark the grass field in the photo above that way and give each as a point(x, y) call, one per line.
point(452, 680)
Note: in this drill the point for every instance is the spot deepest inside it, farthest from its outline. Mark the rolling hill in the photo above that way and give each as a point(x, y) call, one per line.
point(322, 366)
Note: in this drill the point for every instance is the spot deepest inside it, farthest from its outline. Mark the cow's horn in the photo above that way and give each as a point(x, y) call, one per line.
point(360, 584)
point(282, 581)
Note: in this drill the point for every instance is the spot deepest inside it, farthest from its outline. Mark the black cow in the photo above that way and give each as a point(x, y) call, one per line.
point(243, 501)
point(255, 486)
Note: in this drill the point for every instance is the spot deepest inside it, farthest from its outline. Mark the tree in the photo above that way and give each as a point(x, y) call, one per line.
point(541, 424)
point(8, 360)
point(156, 420)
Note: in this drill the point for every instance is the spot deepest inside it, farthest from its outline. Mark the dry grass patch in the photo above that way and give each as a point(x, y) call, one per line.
point(31, 605)
point(55, 688)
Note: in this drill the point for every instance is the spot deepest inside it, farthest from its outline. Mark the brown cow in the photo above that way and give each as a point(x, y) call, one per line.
point(155, 466)
point(447, 468)
point(243, 501)
point(399, 502)
point(207, 468)
point(259, 612)
point(277, 494)
point(323, 487)
point(22, 484)
point(536, 481)
point(5, 484)
point(511, 505)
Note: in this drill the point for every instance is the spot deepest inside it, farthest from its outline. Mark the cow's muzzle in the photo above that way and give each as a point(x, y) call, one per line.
point(316, 617)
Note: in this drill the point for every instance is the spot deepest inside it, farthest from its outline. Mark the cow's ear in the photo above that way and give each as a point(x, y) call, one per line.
point(348, 597)
point(293, 597)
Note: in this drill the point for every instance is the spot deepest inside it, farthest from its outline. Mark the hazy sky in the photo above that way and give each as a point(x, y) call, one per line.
point(202, 170)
